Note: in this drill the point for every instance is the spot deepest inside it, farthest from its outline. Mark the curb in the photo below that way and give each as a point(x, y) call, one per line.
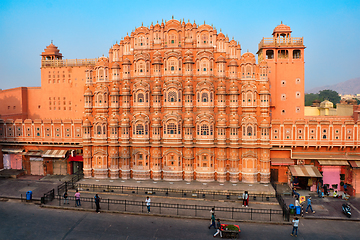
point(178, 198)
point(333, 218)
point(35, 201)
point(160, 215)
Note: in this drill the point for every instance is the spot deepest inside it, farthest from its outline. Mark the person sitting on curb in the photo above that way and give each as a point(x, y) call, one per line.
point(335, 195)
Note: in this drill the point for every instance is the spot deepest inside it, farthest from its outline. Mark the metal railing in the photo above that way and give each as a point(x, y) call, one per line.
point(69, 184)
point(167, 209)
point(284, 207)
point(169, 192)
point(48, 197)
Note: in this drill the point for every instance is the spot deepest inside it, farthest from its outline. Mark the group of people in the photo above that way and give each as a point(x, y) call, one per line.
point(78, 202)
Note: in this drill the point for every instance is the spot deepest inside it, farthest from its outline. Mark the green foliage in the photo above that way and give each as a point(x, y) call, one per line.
point(330, 95)
point(309, 98)
point(232, 228)
point(327, 94)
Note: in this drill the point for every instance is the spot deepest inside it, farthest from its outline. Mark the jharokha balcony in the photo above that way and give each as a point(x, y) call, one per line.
point(272, 42)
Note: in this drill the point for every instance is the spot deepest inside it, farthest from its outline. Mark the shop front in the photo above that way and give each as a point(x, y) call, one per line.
point(304, 177)
point(76, 164)
point(55, 161)
point(332, 170)
point(33, 157)
point(12, 158)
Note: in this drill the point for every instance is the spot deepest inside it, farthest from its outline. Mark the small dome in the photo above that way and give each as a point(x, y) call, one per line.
point(51, 50)
point(87, 123)
point(115, 66)
point(282, 28)
point(126, 62)
point(220, 36)
point(221, 59)
point(115, 89)
point(114, 121)
point(116, 46)
point(88, 92)
point(234, 88)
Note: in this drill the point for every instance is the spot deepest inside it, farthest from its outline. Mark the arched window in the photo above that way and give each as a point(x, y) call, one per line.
point(172, 96)
point(98, 130)
point(204, 97)
point(139, 129)
point(204, 129)
point(140, 97)
point(249, 131)
point(171, 128)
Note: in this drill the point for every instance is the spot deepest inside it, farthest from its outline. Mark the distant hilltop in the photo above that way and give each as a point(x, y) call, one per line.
point(351, 86)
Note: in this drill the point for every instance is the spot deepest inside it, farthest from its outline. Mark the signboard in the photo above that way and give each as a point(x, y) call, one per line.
point(302, 199)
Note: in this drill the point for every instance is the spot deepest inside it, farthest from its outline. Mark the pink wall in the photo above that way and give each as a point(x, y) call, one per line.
point(331, 175)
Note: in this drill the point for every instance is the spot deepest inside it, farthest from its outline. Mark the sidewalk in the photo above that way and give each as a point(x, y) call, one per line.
point(327, 207)
point(252, 188)
point(17, 187)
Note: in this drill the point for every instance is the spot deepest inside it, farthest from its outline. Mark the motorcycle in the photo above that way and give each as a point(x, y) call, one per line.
point(346, 210)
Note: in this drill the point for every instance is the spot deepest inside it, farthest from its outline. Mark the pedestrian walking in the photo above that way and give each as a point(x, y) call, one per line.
point(218, 229)
point(97, 203)
point(295, 226)
point(309, 205)
point(148, 200)
point(212, 221)
point(66, 200)
point(212, 211)
point(77, 199)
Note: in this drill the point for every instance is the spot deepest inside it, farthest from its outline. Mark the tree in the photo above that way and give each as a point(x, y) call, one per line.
point(330, 95)
point(327, 94)
point(310, 97)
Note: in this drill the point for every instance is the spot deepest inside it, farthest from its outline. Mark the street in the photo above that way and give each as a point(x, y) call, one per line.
point(29, 221)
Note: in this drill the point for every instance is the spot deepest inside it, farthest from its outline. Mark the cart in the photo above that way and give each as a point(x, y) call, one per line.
point(228, 231)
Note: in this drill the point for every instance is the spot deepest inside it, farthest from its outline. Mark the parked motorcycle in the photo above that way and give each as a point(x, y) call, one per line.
point(346, 210)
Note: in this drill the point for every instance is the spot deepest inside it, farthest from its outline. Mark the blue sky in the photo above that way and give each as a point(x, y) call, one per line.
point(87, 29)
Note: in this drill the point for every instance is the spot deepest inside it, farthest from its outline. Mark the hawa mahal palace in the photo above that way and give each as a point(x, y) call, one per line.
point(177, 101)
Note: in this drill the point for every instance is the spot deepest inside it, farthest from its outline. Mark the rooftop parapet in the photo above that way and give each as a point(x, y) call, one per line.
point(278, 42)
point(69, 62)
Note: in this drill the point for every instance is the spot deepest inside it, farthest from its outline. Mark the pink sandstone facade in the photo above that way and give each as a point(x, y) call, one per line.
point(178, 101)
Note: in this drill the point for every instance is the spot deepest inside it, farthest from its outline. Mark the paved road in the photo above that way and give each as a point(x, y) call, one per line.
point(29, 221)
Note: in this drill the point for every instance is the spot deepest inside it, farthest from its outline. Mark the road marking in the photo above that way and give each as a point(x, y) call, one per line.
point(75, 225)
point(154, 237)
point(354, 208)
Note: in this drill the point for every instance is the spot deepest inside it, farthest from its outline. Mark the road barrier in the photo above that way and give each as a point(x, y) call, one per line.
point(167, 209)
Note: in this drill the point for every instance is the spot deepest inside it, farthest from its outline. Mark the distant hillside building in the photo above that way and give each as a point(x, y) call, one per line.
point(178, 101)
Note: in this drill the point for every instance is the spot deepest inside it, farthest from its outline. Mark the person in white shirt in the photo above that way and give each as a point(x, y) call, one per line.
point(295, 226)
point(148, 200)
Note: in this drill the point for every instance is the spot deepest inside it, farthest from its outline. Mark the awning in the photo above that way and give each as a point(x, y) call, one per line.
point(355, 164)
point(75, 158)
point(54, 153)
point(9, 150)
point(282, 161)
point(333, 162)
point(304, 171)
point(33, 153)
